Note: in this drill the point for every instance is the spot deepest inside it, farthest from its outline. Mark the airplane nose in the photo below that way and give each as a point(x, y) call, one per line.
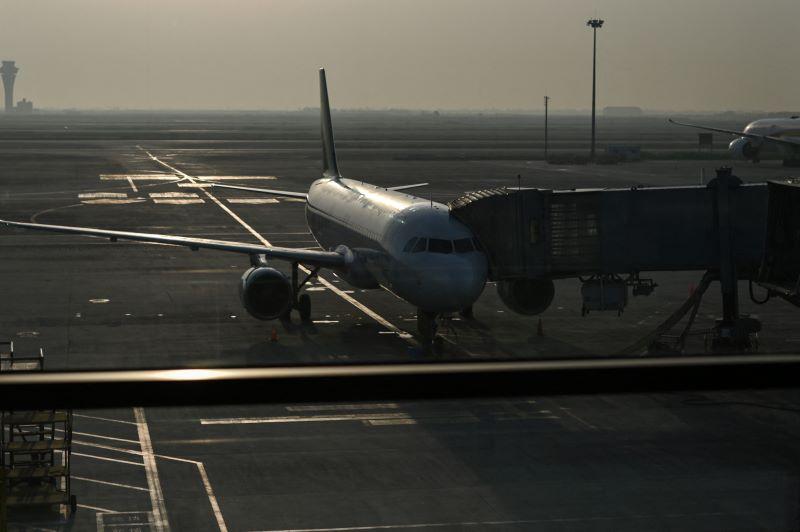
point(456, 285)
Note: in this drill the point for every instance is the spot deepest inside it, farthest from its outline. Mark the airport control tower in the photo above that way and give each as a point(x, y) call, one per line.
point(9, 72)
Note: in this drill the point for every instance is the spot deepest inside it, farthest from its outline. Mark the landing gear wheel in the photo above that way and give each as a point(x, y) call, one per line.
point(438, 345)
point(426, 325)
point(304, 307)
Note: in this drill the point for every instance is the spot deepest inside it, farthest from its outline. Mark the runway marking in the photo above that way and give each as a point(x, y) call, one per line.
point(112, 201)
point(88, 195)
point(133, 186)
point(97, 509)
point(115, 484)
point(568, 411)
point(322, 408)
point(212, 499)
point(173, 195)
point(108, 447)
point(105, 419)
point(253, 201)
point(494, 523)
point(187, 201)
point(236, 177)
point(374, 419)
point(107, 459)
point(151, 471)
point(363, 308)
point(138, 177)
point(101, 436)
point(194, 185)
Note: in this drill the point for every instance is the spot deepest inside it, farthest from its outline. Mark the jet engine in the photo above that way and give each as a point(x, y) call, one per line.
point(266, 293)
point(527, 296)
point(743, 148)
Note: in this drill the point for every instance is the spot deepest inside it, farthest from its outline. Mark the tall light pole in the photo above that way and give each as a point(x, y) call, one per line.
point(546, 101)
point(594, 24)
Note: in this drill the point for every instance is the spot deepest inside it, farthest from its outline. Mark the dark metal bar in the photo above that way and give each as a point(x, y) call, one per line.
point(179, 387)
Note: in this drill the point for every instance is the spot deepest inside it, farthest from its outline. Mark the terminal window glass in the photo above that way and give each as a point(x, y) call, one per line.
point(437, 245)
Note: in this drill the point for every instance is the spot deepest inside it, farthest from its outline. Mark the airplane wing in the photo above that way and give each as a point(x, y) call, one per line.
point(284, 193)
point(306, 256)
point(787, 142)
point(403, 187)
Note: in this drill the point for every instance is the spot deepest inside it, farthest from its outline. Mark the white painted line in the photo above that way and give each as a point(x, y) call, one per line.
point(107, 447)
point(105, 419)
point(130, 182)
point(112, 201)
point(100, 436)
point(137, 177)
point(115, 484)
point(454, 525)
point(236, 177)
point(97, 509)
point(303, 419)
point(212, 499)
point(173, 195)
point(253, 201)
point(160, 521)
point(362, 307)
point(355, 406)
point(117, 460)
point(187, 201)
point(293, 200)
point(194, 185)
point(89, 195)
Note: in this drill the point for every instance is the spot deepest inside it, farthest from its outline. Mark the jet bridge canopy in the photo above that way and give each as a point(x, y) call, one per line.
point(535, 233)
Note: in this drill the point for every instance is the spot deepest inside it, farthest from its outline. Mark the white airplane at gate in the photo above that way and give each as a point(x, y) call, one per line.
point(372, 236)
point(781, 134)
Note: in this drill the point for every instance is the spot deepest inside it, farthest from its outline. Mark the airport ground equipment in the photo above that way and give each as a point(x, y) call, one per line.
point(35, 452)
point(610, 236)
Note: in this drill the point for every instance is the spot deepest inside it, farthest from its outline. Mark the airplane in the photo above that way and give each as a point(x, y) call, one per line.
point(371, 237)
point(780, 133)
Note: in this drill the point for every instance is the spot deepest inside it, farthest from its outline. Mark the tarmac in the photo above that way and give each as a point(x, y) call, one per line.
point(722, 461)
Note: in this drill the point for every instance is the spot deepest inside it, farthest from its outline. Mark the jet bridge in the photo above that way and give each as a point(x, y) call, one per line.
point(608, 237)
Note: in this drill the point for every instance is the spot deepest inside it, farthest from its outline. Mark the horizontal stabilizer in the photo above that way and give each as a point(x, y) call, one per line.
point(404, 187)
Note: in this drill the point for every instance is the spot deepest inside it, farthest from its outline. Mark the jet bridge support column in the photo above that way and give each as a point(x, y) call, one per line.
point(733, 330)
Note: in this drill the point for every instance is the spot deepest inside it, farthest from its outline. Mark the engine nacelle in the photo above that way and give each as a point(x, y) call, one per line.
point(743, 148)
point(527, 296)
point(266, 293)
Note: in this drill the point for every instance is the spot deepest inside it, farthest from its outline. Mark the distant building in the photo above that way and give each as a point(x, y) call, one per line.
point(622, 111)
point(24, 106)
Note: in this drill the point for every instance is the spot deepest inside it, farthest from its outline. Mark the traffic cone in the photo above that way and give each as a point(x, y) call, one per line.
point(273, 337)
point(539, 328)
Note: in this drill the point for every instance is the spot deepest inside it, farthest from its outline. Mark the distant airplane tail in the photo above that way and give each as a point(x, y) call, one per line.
point(329, 166)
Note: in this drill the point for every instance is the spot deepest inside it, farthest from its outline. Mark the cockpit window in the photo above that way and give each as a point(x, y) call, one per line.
point(437, 245)
point(420, 246)
point(410, 245)
point(463, 245)
point(477, 244)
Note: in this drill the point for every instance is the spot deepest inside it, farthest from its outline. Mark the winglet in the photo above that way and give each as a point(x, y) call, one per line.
point(329, 166)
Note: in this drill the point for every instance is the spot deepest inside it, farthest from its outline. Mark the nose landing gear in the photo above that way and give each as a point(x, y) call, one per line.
point(427, 328)
point(300, 302)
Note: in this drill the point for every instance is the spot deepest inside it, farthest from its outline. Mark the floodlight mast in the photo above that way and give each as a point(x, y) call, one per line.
point(594, 24)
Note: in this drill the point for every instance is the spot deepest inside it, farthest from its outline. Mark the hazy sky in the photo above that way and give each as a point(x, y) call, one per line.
point(421, 54)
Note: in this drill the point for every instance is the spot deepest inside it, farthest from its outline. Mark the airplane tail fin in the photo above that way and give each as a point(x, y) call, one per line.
point(329, 166)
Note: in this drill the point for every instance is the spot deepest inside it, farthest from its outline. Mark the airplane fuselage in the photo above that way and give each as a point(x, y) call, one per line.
point(780, 128)
point(409, 245)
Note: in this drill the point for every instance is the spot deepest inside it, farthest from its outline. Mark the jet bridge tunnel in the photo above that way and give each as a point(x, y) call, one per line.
point(532, 236)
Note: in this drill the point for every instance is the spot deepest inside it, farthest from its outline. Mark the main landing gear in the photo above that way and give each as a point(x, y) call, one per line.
point(300, 302)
